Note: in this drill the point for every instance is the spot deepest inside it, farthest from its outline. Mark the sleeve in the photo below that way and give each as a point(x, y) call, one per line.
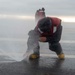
point(48, 39)
point(56, 36)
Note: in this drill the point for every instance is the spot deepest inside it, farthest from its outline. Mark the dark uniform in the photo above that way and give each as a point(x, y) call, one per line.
point(49, 27)
point(54, 35)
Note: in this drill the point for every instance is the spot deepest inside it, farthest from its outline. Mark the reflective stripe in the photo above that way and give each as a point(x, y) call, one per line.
point(54, 29)
point(40, 30)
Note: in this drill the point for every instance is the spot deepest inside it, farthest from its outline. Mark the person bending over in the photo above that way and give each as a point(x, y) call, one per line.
point(48, 29)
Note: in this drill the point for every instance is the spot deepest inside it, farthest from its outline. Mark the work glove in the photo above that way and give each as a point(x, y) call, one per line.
point(42, 39)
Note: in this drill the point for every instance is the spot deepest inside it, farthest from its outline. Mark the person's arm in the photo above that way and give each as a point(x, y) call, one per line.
point(56, 36)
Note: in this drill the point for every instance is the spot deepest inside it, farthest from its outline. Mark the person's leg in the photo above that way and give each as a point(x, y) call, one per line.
point(54, 44)
point(33, 44)
point(56, 47)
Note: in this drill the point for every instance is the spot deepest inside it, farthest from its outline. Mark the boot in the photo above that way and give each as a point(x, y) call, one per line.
point(61, 56)
point(34, 56)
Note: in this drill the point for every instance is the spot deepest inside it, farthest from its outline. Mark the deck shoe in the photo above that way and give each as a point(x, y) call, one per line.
point(61, 56)
point(34, 56)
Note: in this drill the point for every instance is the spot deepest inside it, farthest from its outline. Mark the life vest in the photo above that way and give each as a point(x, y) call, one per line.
point(55, 23)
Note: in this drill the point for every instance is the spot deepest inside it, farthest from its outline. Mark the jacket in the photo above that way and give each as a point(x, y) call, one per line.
point(55, 30)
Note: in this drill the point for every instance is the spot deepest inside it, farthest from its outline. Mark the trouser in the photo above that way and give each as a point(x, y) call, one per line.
point(54, 44)
point(34, 45)
point(56, 47)
point(33, 42)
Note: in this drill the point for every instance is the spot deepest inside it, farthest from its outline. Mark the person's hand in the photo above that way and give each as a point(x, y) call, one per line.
point(42, 39)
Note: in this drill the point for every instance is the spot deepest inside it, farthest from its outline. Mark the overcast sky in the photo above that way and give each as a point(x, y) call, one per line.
point(28, 7)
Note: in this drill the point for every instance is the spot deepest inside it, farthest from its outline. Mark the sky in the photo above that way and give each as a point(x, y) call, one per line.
point(28, 7)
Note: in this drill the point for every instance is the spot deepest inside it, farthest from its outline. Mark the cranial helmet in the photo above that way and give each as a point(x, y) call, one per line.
point(44, 24)
point(43, 8)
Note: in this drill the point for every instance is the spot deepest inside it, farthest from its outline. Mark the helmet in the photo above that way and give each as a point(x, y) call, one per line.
point(44, 24)
point(43, 8)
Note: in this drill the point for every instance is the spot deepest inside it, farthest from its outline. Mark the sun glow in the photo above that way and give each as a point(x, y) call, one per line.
point(16, 16)
point(31, 17)
point(67, 18)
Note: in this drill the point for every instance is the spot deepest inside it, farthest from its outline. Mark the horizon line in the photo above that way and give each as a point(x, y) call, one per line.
point(31, 17)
